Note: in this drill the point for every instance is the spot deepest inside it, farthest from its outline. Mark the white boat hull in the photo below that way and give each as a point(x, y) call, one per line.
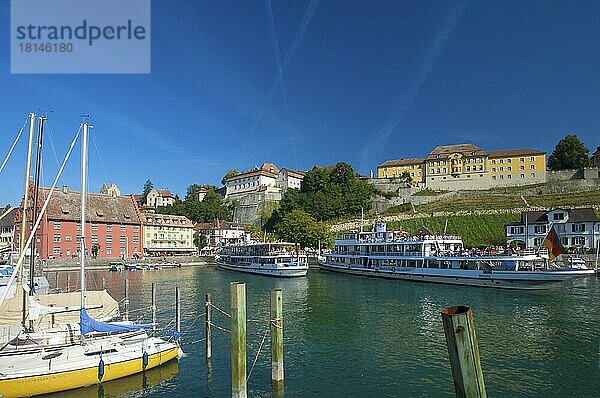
point(281, 271)
point(522, 280)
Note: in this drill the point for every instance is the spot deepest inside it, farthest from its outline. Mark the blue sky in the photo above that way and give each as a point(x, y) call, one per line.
point(361, 82)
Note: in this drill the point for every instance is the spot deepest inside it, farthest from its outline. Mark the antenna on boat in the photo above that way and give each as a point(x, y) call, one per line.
point(362, 218)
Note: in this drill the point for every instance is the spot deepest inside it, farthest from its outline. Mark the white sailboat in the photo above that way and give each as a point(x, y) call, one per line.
point(104, 351)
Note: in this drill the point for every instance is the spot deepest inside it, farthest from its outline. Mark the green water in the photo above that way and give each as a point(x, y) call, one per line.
point(348, 336)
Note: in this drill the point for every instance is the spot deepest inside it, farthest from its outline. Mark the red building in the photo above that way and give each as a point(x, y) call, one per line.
point(113, 226)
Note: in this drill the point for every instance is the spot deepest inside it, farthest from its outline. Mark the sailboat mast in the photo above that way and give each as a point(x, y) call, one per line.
point(24, 215)
point(83, 201)
point(38, 162)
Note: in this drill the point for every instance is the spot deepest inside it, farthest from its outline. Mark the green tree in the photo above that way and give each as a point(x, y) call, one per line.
point(148, 186)
point(230, 173)
point(300, 227)
point(569, 153)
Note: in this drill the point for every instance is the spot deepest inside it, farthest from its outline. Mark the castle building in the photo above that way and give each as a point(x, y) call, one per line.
point(267, 178)
point(466, 166)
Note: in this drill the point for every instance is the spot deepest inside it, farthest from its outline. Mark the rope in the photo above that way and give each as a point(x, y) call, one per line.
point(220, 310)
point(193, 342)
point(257, 354)
point(219, 327)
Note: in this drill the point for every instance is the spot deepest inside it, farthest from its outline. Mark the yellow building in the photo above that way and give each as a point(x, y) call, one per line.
point(396, 168)
point(166, 234)
point(466, 166)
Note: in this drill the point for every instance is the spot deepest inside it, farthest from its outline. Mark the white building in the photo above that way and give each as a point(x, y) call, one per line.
point(7, 227)
point(159, 197)
point(266, 178)
point(219, 233)
point(576, 228)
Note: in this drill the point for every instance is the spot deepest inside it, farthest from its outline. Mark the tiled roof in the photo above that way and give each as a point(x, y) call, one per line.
point(514, 152)
point(165, 193)
point(402, 162)
point(206, 226)
point(167, 219)
point(585, 214)
point(8, 219)
point(443, 151)
point(295, 173)
point(267, 169)
point(100, 208)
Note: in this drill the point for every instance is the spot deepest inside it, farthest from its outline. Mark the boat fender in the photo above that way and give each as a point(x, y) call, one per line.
point(145, 360)
point(100, 369)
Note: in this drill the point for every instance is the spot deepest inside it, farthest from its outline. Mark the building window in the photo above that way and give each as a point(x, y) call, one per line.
point(68, 238)
point(564, 241)
point(502, 177)
point(540, 229)
point(108, 238)
point(493, 161)
point(78, 226)
point(537, 241)
point(122, 251)
point(532, 167)
point(56, 224)
point(578, 241)
point(521, 167)
point(94, 238)
point(122, 239)
point(532, 175)
point(517, 230)
point(122, 228)
point(109, 250)
point(521, 159)
point(108, 227)
point(502, 168)
point(493, 169)
point(509, 176)
point(136, 228)
point(578, 228)
point(56, 251)
point(501, 161)
point(136, 239)
point(509, 168)
point(94, 227)
point(508, 160)
point(558, 216)
point(532, 158)
point(56, 238)
point(493, 177)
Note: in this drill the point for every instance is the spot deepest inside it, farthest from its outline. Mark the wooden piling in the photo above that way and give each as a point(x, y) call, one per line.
point(68, 282)
point(208, 331)
point(153, 308)
point(467, 374)
point(103, 283)
point(276, 339)
point(177, 310)
point(238, 340)
point(126, 301)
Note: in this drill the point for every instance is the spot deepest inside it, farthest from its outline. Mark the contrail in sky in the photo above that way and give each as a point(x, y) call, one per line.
point(376, 142)
point(308, 14)
point(275, 44)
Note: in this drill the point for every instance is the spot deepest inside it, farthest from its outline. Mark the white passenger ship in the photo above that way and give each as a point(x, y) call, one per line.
point(272, 259)
point(439, 258)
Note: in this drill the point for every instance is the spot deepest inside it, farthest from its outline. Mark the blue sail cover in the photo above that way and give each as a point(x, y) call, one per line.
point(88, 325)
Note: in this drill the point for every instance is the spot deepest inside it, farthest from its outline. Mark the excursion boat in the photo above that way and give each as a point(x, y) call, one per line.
point(426, 257)
point(272, 259)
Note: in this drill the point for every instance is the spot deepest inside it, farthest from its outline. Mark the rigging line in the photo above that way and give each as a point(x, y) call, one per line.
point(37, 222)
point(13, 145)
point(51, 137)
point(257, 354)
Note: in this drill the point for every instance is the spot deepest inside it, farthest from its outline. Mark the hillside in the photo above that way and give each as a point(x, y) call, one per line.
point(479, 216)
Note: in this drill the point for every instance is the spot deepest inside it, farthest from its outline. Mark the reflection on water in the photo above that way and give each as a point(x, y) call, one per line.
point(362, 337)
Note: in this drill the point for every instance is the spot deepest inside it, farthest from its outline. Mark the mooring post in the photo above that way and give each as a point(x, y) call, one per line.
point(208, 331)
point(238, 340)
point(153, 308)
point(467, 374)
point(177, 311)
point(276, 339)
point(103, 283)
point(126, 301)
point(68, 282)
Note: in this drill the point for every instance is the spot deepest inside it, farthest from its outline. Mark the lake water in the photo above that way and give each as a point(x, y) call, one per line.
point(348, 336)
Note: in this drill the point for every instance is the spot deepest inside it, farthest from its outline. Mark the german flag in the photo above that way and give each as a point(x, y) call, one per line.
point(552, 242)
